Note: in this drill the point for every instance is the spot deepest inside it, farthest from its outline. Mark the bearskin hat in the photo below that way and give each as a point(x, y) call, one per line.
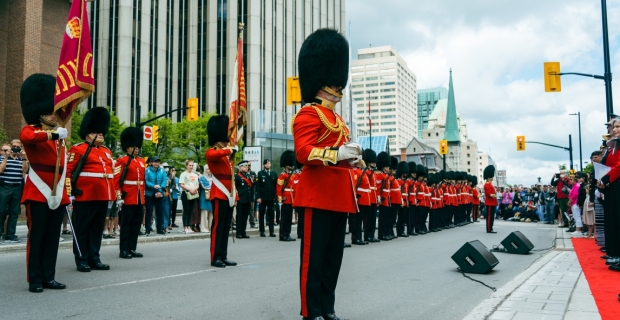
point(474, 180)
point(402, 169)
point(393, 163)
point(383, 160)
point(369, 156)
point(444, 175)
point(421, 171)
point(217, 129)
point(323, 61)
point(458, 175)
point(287, 159)
point(131, 137)
point(438, 176)
point(37, 97)
point(489, 172)
point(412, 167)
point(95, 120)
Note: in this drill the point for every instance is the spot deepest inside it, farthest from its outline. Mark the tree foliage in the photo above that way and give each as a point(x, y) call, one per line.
point(563, 166)
point(112, 138)
point(589, 168)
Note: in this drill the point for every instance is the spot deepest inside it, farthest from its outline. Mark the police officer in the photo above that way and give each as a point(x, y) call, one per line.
point(92, 186)
point(265, 196)
point(129, 176)
point(243, 184)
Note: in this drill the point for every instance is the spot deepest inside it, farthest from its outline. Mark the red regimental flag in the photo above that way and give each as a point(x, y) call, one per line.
point(74, 77)
point(237, 114)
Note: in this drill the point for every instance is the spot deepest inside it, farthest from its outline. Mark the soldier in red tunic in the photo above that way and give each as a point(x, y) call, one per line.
point(284, 193)
point(41, 140)
point(475, 197)
point(129, 177)
point(221, 159)
point(325, 189)
point(383, 190)
point(422, 205)
point(90, 175)
point(396, 200)
point(402, 172)
point(412, 199)
point(362, 184)
point(370, 217)
point(490, 196)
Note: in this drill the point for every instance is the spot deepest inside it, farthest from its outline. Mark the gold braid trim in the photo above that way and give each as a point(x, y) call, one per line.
point(324, 154)
point(339, 127)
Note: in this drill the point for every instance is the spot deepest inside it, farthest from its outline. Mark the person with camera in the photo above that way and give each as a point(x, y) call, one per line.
point(560, 182)
point(13, 167)
point(156, 181)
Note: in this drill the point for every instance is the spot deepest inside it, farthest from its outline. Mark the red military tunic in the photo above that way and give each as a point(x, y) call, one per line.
point(395, 194)
point(318, 132)
point(285, 193)
point(383, 189)
point(295, 180)
point(422, 189)
point(413, 194)
point(132, 191)
point(42, 153)
point(445, 195)
point(489, 190)
point(476, 196)
point(364, 187)
point(404, 190)
point(373, 186)
point(439, 196)
point(410, 195)
point(221, 167)
point(96, 179)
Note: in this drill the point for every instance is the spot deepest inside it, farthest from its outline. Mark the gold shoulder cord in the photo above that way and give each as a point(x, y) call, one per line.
point(339, 127)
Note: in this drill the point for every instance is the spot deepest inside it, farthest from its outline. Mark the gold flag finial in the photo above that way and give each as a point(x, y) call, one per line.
point(241, 26)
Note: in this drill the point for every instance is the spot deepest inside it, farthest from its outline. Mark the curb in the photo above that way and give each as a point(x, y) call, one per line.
point(563, 241)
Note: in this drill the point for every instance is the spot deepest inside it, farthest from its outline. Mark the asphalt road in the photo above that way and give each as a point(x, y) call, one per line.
point(410, 278)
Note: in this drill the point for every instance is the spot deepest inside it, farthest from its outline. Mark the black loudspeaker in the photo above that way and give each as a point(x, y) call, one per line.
point(474, 257)
point(517, 243)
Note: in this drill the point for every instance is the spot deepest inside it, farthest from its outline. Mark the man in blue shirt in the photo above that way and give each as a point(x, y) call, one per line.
point(156, 182)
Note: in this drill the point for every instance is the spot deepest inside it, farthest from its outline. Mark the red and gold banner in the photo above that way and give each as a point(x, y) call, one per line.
point(74, 77)
point(237, 114)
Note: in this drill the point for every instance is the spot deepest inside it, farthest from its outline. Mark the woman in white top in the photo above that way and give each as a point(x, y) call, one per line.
point(190, 196)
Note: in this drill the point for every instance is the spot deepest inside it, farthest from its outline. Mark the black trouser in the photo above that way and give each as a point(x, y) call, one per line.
point(265, 206)
point(356, 226)
point(188, 209)
point(411, 221)
point(13, 209)
point(300, 221)
point(384, 213)
point(131, 220)
point(88, 223)
point(611, 220)
point(490, 217)
point(251, 215)
point(474, 212)
point(222, 217)
point(421, 215)
point(243, 209)
point(370, 222)
point(157, 204)
point(287, 220)
point(432, 219)
point(322, 246)
point(403, 218)
point(42, 247)
point(393, 214)
point(173, 210)
point(277, 209)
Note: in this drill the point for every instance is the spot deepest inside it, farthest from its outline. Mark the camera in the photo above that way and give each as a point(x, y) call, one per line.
point(557, 175)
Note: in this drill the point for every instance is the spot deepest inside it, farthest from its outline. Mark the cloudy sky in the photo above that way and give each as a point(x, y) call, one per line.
point(496, 49)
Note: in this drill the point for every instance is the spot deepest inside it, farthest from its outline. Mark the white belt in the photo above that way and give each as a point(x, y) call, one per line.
point(134, 183)
point(396, 189)
point(404, 194)
point(96, 175)
point(436, 199)
point(428, 194)
point(412, 194)
point(288, 190)
point(373, 188)
point(363, 190)
point(422, 193)
point(386, 190)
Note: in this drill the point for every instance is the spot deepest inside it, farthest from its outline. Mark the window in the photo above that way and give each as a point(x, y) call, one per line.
point(357, 73)
point(388, 83)
point(361, 111)
point(371, 65)
point(357, 86)
point(388, 117)
point(387, 70)
point(388, 123)
point(413, 151)
point(387, 110)
point(358, 92)
point(372, 85)
point(468, 163)
point(436, 134)
point(371, 71)
point(372, 78)
point(385, 77)
point(391, 136)
point(429, 134)
point(467, 147)
point(468, 170)
point(387, 103)
point(357, 67)
point(388, 130)
point(391, 96)
point(388, 90)
point(468, 155)
point(372, 91)
point(357, 79)
point(386, 64)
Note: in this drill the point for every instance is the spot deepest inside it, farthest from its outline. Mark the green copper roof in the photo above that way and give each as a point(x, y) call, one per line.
point(452, 128)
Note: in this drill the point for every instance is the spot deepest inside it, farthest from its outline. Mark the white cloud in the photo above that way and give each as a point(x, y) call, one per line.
point(496, 50)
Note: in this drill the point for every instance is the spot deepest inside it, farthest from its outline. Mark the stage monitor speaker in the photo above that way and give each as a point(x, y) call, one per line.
point(517, 243)
point(474, 257)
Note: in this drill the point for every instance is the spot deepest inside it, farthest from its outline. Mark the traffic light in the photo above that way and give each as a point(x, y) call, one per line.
point(553, 83)
point(155, 134)
point(520, 143)
point(443, 147)
point(192, 109)
point(293, 92)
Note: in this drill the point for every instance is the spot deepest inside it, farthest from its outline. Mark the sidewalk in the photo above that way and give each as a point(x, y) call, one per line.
point(554, 287)
point(175, 235)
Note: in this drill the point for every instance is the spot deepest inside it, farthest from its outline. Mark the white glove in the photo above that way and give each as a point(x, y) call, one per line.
point(62, 133)
point(356, 160)
point(349, 151)
point(72, 198)
point(120, 203)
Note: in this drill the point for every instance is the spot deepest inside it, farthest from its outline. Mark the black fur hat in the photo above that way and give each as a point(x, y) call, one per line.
point(474, 180)
point(489, 172)
point(459, 176)
point(421, 171)
point(444, 175)
point(432, 179)
point(438, 177)
point(96, 120)
point(37, 97)
point(323, 61)
point(217, 129)
point(383, 160)
point(393, 163)
point(287, 159)
point(369, 156)
point(131, 137)
point(402, 169)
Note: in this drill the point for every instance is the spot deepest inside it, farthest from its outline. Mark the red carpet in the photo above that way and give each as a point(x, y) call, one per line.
point(604, 283)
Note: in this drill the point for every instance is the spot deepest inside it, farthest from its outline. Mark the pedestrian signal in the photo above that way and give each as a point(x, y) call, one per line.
point(443, 147)
point(520, 143)
point(192, 109)
point(293, 92)
point(552, 77)
point(155, 134)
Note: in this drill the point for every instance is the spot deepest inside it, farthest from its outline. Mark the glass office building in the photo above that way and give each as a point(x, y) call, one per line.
point(427, 100)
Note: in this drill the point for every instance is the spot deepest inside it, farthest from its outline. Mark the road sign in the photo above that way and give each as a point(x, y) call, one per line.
point(443, 147)
point(148, 133)
point(520, 143)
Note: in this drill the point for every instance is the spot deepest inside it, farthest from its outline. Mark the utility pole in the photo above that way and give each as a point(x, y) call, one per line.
point(608, 95)
point(578, 114)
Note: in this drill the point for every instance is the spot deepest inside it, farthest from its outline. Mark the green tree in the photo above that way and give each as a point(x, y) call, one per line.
point(113, 138)
point(76, 121)
point(3, 136)
point(562, 167)
point(164, 148)
point(191, 140)
point(589, 168)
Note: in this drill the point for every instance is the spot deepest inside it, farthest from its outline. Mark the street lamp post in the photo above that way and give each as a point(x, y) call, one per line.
point(578, 114)
point(608, 95)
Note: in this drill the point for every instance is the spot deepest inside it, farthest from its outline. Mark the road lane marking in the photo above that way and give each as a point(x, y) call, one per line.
point(154, 279)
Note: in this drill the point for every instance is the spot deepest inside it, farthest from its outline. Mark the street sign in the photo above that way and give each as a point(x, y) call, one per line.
point(254, 155)
point(520, 143)
point(148, 133)
point(443, 147)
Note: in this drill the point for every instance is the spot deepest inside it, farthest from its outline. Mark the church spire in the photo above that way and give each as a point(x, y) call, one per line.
point(452, 128)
